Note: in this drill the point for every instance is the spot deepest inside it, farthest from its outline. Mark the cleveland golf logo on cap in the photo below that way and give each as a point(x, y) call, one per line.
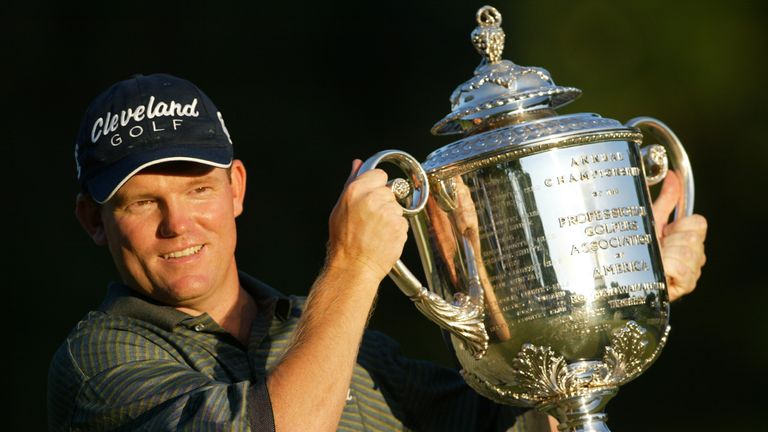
point(110, 122)
point(143, 121)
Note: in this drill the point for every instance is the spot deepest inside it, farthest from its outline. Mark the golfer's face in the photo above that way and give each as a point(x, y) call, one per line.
point(171, 230)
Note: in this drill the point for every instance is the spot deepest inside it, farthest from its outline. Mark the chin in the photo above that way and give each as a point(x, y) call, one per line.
point(185, 291)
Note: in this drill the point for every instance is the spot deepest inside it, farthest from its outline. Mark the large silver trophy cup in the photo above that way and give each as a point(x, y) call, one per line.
point(537, 239)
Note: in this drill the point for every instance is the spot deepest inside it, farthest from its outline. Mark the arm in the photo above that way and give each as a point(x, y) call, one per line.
point(308, 386)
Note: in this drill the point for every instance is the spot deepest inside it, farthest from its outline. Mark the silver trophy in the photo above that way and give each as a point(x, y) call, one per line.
point(537, 239)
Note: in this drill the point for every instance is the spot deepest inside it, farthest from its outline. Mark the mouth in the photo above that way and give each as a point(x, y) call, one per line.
point(192, 250)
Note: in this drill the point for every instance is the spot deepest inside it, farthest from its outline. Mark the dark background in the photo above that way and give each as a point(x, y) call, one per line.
point(305, 87)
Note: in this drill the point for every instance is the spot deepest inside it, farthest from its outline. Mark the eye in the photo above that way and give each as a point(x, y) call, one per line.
point(202, 189)
point(139, 205)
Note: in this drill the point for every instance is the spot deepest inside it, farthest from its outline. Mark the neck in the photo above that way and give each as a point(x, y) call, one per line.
point(234, 311)
point(238, 319)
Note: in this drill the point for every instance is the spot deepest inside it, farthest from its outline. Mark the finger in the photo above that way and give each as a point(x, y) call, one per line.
point(383, 195)
point(692, 239)
point(667, 199)
point(683, 274)
point(695, 222)
point(682, 277)
point(368, 181)
point(692, 254)
point(692, 257)
point(395, 215)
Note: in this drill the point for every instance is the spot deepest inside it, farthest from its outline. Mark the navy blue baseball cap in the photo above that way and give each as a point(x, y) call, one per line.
point(143, 121)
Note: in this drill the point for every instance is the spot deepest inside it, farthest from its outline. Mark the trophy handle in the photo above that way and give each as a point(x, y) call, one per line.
point(464, 316)
point(655, 160)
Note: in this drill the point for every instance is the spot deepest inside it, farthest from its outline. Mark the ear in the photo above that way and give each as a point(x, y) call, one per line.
point(89, 215)
point(237, 174)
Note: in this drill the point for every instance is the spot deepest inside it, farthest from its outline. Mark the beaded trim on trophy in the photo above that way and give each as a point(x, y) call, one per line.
point(513, 142)
point(545, 376)
point(559, 95)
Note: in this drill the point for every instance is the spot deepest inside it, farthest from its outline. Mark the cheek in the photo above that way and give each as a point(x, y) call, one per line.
point(129, 237)
point(120, 241)
point(225, 221)
point(221, 220)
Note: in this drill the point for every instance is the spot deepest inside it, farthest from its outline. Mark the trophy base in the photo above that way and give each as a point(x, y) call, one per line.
point(582, 413)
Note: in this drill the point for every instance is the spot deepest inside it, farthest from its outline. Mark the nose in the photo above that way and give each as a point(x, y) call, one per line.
point(176, 219)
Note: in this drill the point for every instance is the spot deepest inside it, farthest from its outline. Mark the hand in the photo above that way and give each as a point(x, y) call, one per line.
point(682, 241)
point(367, 228)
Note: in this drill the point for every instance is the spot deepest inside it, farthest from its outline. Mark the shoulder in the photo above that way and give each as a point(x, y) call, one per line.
point(98, 343)
point(101, 341)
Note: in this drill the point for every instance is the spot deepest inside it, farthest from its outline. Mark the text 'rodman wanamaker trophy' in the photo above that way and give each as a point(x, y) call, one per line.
point(537, 239)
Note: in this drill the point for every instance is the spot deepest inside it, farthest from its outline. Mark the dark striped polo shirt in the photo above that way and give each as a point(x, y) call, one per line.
point(135, 364)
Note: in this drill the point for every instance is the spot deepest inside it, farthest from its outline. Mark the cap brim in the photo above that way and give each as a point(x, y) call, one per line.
point(104, 185)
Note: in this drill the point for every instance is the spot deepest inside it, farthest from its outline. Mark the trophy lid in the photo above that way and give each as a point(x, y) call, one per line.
point(507, 110)
point(499, 87)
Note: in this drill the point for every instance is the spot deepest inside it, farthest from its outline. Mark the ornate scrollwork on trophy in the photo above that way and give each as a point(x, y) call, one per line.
point(625, 358)
point(544, 376)
point(464, 318)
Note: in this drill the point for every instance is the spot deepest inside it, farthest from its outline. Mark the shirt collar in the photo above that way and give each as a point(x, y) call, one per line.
point(264, 294)
point(124, 301)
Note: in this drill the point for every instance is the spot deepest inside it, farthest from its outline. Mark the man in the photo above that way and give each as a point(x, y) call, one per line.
point(186, 341)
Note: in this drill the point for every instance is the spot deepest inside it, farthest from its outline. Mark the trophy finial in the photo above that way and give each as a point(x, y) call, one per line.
point(488, 37)
point(500, 91)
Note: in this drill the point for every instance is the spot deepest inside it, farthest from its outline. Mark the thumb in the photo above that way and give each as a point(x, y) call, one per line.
point(353, 172)
point(666, 201)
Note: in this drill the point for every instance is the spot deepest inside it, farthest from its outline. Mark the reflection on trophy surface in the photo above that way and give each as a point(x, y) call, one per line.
point(536, 236)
